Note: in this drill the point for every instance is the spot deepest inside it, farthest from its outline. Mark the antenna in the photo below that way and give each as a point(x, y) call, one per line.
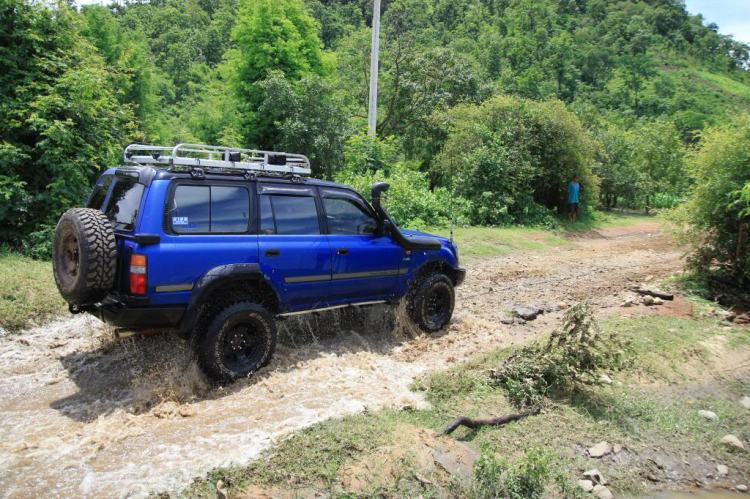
point(450, 208)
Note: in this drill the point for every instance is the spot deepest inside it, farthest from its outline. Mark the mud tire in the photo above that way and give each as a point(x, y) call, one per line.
point(239, 341)
point(84, 256)
point(430, 302)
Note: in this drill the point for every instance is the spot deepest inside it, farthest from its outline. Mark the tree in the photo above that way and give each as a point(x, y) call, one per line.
point(310, 119)
point(60, 121)
point(278, 35)
point(513, 158)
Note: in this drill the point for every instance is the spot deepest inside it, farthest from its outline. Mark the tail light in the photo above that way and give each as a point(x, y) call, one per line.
point(137, 274)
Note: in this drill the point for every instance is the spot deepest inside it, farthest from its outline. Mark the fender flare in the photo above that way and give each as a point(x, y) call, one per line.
point(208, 282)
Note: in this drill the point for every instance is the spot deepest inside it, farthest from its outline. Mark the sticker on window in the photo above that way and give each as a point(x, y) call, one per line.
point(180, 221)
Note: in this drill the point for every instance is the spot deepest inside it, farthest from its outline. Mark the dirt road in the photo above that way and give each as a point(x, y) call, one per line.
point(83, 415)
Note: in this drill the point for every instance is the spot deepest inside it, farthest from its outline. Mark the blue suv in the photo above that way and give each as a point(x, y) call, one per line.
point(218, 243)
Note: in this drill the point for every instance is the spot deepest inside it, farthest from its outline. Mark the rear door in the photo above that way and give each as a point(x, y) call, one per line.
point(294, 251)
point(365, 264)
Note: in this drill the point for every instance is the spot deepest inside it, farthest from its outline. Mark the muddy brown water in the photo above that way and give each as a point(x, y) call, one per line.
point(84, 415)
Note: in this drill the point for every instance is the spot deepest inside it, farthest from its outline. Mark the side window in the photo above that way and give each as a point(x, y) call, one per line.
point(229, 209)
point(122, 208)
point(346, 216)
point(267, 225)
point(96, 200)
point(293, 215)
point(202, 209)
point(191, 209)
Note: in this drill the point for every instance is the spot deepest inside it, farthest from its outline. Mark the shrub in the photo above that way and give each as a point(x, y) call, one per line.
point(710, 220)
point(574, 353)
point(525, 479)
point(513, 159)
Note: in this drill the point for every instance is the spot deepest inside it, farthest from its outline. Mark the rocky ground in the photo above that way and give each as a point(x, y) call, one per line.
point(85, 415)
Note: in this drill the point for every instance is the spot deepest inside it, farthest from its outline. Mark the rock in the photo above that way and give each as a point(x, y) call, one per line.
point(708, 415)
point(627, 303)
point(658, 301)
point(600, 450)
point(605, 379)
point(745, 402)
point(617, 448)
point(602, 492)
point(741, 319)
point(723, 470)
point(595, 476)
point(526, 313)
point(741, 487)
point(562, 305)
point(648, 300)
point(732, 442)
point(730, 316)
point(586, 485)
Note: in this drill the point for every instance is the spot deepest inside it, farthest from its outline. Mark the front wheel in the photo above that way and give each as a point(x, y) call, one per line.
point(239, 341)
point(430, 304)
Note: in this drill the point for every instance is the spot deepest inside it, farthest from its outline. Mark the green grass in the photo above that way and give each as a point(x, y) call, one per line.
point(667, 353)
point(485, 242)
point(28, 294)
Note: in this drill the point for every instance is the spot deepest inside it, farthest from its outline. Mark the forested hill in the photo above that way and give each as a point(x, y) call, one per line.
point(503, 99)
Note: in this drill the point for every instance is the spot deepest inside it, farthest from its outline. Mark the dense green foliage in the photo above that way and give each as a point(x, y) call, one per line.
point(502, 100)
point(710, 220)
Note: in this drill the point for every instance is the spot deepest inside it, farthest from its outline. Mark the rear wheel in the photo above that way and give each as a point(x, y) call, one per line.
point(84, 256)
point(430, 304)
point(239, 341)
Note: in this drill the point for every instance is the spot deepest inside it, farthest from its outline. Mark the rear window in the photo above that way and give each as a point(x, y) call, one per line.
point(99, 194)
point(202, 209)
point(122, 208)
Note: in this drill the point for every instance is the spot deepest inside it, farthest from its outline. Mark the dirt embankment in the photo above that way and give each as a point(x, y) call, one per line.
point(84, 415)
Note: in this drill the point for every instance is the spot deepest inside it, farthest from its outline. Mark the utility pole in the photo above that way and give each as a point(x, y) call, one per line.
point(372, 115)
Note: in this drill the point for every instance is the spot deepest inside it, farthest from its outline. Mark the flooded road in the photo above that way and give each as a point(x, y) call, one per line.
point(84, 415)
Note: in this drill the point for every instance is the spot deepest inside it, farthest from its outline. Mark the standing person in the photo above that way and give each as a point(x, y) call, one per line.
point(574, 191)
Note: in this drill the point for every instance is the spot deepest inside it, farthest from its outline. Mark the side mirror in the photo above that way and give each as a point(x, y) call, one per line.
point(384, 228)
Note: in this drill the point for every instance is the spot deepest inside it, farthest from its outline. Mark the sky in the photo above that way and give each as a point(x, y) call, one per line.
point(732, 16)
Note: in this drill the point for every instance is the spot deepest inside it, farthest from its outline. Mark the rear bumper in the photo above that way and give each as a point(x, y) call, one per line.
point(460, 276)
point(119, 313)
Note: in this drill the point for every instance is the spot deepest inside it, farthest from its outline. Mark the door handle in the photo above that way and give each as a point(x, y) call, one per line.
point(342, 251)
point(272, 252)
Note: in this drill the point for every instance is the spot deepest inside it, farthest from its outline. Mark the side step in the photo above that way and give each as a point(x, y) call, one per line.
point(335, 307)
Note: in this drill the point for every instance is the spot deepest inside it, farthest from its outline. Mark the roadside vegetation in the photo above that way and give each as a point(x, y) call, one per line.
point(28, 294)
point(664, 371)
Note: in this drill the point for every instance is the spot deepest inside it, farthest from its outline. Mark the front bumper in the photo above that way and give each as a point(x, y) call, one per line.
point(460, 276)
point(121, 313)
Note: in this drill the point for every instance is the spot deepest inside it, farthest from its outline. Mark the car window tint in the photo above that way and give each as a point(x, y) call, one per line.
point(229, 209)
point(96, 200)
point(346, 216)
point(267, 225)
point(190, 209)
point(295, 215)
point(122, 208)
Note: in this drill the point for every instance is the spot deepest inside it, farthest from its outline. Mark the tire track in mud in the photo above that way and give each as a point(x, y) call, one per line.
point(83, 415)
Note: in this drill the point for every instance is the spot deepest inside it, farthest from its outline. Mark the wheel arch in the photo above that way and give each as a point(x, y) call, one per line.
point(224, 285)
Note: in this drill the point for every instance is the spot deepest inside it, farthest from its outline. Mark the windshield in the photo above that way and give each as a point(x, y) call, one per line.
point(122, 208)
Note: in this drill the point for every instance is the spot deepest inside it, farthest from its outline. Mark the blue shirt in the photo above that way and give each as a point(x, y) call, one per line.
point(573, 190)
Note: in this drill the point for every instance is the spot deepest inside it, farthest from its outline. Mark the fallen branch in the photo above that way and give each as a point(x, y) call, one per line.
point(476, 423)
point(657, 294)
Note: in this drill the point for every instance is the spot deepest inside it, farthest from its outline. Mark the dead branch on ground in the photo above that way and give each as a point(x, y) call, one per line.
point(476, 423)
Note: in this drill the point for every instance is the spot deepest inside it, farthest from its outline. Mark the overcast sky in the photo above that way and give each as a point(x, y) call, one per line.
point(732, 16)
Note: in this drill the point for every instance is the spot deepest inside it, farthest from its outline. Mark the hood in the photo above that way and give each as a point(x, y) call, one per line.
point(415, 233)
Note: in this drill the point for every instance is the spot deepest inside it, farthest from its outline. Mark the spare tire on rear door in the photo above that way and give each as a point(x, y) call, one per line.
point(84, 256)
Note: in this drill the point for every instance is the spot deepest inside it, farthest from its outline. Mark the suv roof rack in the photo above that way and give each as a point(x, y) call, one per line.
point(217, 157)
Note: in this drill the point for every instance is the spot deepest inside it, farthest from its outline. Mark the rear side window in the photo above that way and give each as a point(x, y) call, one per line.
point(289, 215)
point(202, 209)
point(122, 208)
point(99, 194)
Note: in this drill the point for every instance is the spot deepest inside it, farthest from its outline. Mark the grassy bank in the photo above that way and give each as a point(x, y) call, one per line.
point(677, 366)
point(28, 294)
